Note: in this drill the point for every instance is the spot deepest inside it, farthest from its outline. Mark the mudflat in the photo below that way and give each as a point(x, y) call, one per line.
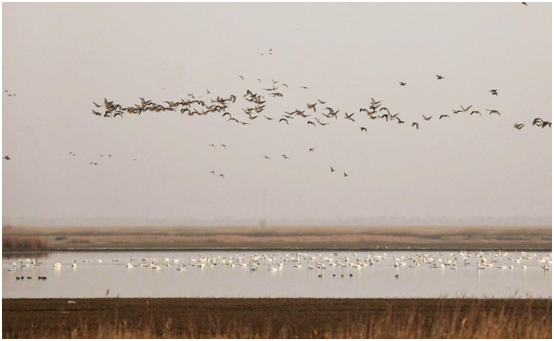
point(280, 317)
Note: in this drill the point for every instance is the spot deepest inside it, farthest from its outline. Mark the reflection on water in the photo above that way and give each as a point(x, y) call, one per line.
point(227, 274)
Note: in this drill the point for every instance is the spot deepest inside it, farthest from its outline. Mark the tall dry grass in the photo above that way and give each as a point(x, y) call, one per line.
point(477, 322)
point(24, 243)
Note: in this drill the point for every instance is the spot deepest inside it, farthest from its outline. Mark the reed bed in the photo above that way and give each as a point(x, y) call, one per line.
point(24, 243)
point(282, 237)
point(439, 318)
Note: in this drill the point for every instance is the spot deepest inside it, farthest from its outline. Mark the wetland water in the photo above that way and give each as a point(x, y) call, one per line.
point(439, 274)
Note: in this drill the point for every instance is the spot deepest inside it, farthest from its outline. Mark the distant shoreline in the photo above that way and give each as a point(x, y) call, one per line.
point(279, 249)
point(114, 239)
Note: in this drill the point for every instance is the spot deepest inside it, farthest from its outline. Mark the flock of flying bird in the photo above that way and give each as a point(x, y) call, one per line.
point(255, 109)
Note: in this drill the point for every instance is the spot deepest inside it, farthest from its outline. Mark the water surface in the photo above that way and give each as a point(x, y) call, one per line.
point(110, 278)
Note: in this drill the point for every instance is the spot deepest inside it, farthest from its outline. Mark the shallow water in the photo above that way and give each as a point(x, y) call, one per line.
point(115, 279)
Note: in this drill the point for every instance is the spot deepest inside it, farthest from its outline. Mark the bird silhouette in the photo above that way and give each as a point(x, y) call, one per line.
point(493, 111)
point(439, 77)
point(349, 117)
point(403, 84)
point(7, 158)
point(363, 129)
point(312, 106)
point(332, 169)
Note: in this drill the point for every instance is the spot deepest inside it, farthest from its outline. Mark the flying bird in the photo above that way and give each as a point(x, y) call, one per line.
point(349, 117)
point(284, 119)
point(363, 129)
point(519, 126)
point(345, 175)
point(403, 84)
point(7, 158)
point(443, 116)
point(439, 77)
point(427, 118)
point(538, 121)
point(493, 111)
point(416, 125)
point(332, 169)
point(285, 157)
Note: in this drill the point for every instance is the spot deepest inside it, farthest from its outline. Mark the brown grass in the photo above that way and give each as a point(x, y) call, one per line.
point(79, 240)
point(282, 318)
point(287, 237)
point(24, 243)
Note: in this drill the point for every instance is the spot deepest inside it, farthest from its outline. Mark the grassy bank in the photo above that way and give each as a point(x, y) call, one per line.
point(120, 238)
point(277, 318)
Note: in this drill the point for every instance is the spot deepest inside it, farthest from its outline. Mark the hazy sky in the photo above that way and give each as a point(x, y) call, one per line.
point(58, 58)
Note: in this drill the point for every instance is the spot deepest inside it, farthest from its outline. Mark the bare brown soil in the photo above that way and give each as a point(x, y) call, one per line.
point(284, 318)
point(121, 238)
